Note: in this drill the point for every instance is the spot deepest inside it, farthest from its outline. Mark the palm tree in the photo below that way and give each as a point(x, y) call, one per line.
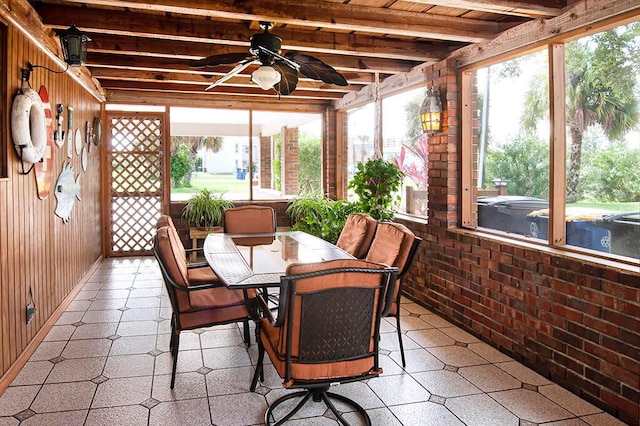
point(592, 95)
point(195, 143)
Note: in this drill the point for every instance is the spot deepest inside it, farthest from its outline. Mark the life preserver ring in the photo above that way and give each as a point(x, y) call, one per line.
point(28, 126)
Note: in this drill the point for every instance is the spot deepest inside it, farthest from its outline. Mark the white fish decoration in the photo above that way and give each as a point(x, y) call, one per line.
point(66, 192)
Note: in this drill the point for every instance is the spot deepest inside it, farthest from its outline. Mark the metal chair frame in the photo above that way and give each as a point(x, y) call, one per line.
point(172, 289)
point(318, 389)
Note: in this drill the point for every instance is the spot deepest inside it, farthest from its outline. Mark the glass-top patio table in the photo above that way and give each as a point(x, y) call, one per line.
point(259, 260)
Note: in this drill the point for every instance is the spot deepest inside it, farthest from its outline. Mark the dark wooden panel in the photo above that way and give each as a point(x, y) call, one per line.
point(39, 251)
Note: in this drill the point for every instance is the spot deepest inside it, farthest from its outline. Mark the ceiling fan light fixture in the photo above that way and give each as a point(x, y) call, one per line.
point(265, 76)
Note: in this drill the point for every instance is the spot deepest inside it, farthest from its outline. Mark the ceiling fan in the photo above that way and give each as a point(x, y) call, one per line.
point(276, 70)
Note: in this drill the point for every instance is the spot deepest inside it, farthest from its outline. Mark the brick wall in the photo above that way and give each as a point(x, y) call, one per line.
point(329, 153)
point(266, 153)
point(290, 160)
point(573, 320)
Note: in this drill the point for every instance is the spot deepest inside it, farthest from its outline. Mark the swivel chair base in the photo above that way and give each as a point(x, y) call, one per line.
point(318, 394)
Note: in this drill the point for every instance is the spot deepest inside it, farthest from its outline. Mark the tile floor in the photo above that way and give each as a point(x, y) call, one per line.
point(106, 362)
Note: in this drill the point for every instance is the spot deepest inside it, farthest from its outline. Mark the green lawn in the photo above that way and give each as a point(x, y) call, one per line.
point(217, 183)
point(617, 207)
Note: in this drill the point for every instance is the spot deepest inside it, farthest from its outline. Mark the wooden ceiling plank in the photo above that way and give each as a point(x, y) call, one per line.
point(211, 100)
point(390, 86)
point(315, 14)
point(116, 44)
point(530, 9)
point(111, 85)
point(185, 78)
point(205, 31)
point(21, 15)
point(253, 90)
point(535, 34)
point(99, 60)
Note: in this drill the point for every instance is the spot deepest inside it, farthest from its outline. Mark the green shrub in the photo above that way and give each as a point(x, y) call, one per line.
point(377, 184)
point(318, 215)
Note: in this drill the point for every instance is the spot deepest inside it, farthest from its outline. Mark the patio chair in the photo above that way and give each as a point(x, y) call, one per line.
point(357, 234)
point(207, 272)
point(395, 245)
point(195, 303)
point(250, 219)
point(326, 332)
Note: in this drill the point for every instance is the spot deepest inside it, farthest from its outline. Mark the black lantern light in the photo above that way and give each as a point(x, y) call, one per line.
point(74, 45)
point(431, 112)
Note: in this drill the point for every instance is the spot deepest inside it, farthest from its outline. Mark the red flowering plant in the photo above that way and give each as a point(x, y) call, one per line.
point(416, 170)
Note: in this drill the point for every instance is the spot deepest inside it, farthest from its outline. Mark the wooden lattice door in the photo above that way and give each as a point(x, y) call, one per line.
point(135, 174)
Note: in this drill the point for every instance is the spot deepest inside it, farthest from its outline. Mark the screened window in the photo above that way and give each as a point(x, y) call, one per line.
point(216, 149)
point(403, 143)
point(590, 199)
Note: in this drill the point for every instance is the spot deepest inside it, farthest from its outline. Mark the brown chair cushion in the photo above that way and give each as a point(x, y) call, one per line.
point(391, 245)
point(174, 261)
point(203, 317)
point(165, 220)
point(201, 275)
point(357, 234)
point(321, 283)
point(249, 220)
point(272, 341)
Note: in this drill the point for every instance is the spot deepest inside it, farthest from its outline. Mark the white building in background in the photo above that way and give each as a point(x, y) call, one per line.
point(234, 155)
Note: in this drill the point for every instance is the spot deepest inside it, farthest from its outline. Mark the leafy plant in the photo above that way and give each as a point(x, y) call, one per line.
point(376, 183)
point(524, 163)
point(309, 163)
point(181, 166)
point(318, 215)
point(611, 173)
point(205, 210)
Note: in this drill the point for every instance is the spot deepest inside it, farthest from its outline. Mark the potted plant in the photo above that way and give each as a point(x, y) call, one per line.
point(204, 210)
point(319, 215)
point(377, 184)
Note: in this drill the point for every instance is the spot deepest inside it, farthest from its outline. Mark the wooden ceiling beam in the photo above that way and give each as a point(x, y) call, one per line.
point(23, 17)
point(535, 34)
point(530, 9)
point(117, 44)
point(122, 62)
point(252, 91)
point(205, 80)
point(232, 34)
point(214, 100)
point(333, 16)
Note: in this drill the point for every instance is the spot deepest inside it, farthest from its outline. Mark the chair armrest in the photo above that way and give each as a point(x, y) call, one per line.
point(197, 251)
point(196, 265)
point(264, 307)
point(391, 285)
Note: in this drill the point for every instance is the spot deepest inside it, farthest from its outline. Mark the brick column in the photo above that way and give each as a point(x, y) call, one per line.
point(443, 149)
point(290, 160)
point(265, 161)
point(330, 173)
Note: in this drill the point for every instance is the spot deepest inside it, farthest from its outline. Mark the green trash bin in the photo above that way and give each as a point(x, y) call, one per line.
point(581, 225)
point(625, 233)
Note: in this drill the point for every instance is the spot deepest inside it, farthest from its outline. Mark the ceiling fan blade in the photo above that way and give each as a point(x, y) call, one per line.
point(316, 69)
point(288, 80)
point(225, 58)
point(278, 56)
point(235, 71)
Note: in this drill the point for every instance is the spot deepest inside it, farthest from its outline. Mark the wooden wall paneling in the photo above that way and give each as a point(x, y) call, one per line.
point(4, 276)
point(39, 250)
point(4, 152)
